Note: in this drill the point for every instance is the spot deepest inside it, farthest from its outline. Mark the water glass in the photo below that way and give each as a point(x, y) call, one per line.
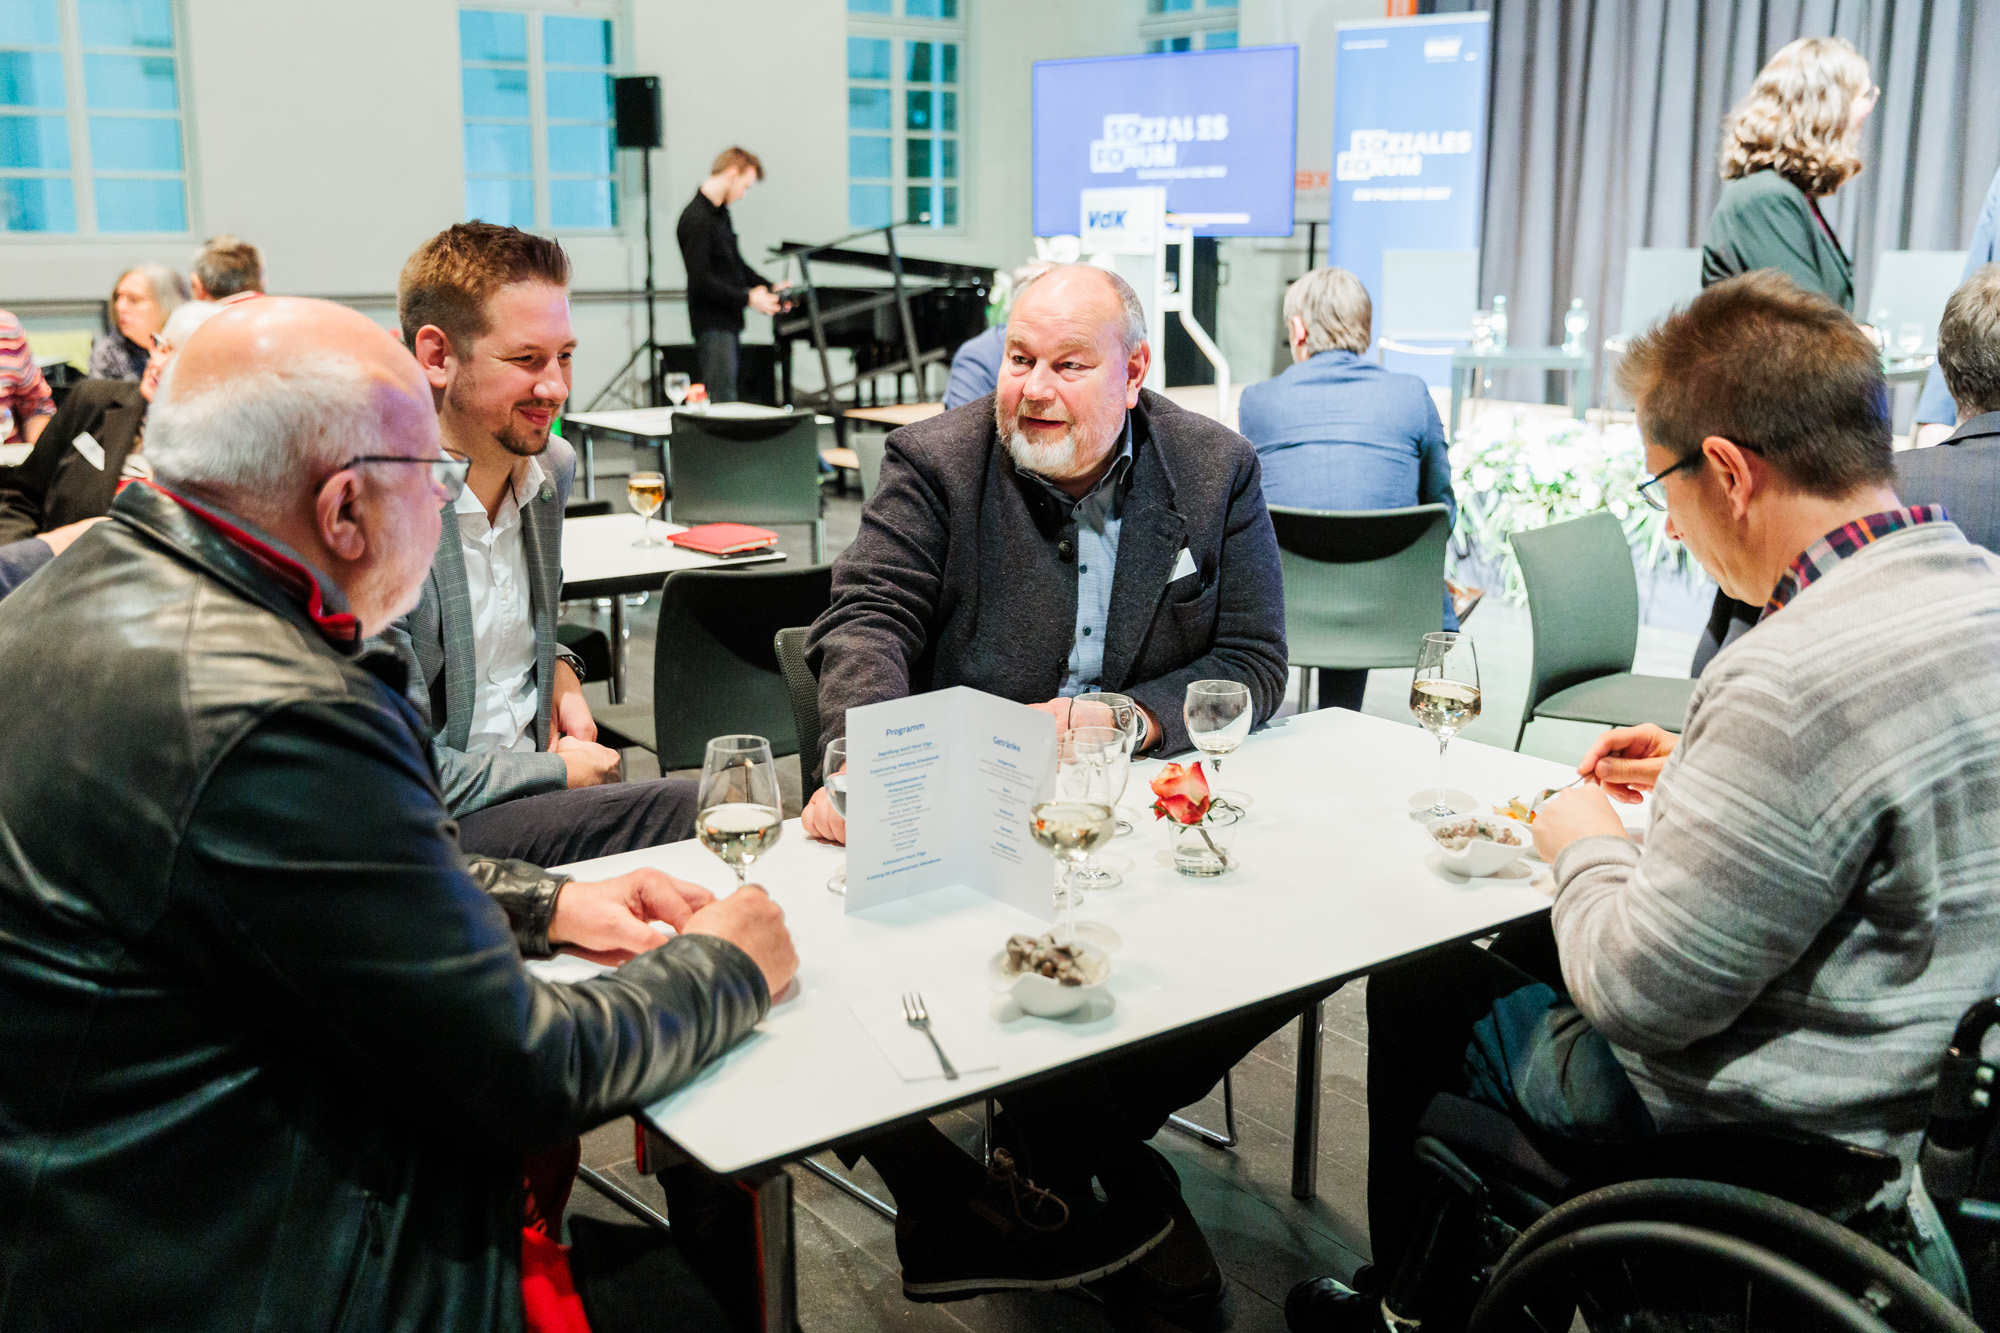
point(677, 387)
point(835, 782)
point(1098, 708)
point(742, 813)
point(1218, 717)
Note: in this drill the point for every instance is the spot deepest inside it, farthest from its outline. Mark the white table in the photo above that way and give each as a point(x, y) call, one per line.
point(652, 426)
point(1336, 880)
point(600, 560)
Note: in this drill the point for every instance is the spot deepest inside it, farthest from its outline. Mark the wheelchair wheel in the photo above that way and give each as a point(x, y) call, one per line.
point(1685, 1256)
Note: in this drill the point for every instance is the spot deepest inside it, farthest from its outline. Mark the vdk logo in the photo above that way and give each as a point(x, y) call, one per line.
point(1106, 218)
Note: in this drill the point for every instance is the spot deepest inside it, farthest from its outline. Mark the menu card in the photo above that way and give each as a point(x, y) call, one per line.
point(940, 791)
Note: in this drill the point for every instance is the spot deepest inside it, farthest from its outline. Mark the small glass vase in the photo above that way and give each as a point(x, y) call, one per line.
point(1202, 850)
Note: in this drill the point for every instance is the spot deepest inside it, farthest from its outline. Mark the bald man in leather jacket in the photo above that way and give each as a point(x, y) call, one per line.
point(272, 1057)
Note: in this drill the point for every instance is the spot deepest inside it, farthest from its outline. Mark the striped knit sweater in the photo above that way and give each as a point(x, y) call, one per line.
point(1818, 899)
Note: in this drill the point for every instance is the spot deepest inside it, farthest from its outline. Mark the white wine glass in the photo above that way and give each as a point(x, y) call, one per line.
point(677, 387)
point(742, 813)
point(1444, 696)
point(1071, 830)
point(1217, 713)
point(646, 492)
point(1094, 765)
point(1097, 708)
point(835, 782)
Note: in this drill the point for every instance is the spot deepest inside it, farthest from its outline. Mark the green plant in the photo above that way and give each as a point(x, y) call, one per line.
point(1523, 472)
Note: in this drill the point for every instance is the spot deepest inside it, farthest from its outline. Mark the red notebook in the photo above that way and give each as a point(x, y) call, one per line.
point(724, 538)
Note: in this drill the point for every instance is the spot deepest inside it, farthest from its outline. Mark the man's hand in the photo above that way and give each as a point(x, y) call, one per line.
point(589, 763)
point(606, 921)
point(1070, 714)
point(1626, 761)
point(569, 713)
point(763, 301)
point(60, 538)
point(820, 820)
point(1580, 812)
point(753, 923)
point(1059, 709)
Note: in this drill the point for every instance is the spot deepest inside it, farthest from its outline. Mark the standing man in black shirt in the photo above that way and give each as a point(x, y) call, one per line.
point(719, 283)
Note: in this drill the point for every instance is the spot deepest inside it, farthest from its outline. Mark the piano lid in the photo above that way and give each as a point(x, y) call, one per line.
point(937, 269)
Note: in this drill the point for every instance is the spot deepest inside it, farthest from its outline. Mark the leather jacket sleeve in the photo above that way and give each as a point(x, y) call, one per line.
point(526, 893)
point(317, 887)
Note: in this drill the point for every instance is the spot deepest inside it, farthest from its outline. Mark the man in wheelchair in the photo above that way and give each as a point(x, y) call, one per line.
point(1816, 900)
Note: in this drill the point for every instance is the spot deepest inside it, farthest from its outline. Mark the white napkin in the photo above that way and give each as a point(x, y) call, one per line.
point(1183, 566)
point(908, 1050)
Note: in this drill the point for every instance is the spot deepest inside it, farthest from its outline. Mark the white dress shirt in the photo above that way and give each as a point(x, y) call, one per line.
point(506, 697)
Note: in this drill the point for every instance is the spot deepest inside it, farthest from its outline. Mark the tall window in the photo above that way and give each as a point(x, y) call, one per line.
point(90, 118)
point(905, 112)
point(539, 148)
point(1189, 25)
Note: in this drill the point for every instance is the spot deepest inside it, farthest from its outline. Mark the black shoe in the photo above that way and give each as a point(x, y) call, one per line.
point(1013, 1235)
point(1179, 1277)
point(1322, 1305)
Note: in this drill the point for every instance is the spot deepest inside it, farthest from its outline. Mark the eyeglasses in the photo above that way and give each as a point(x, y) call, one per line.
point(1648, 489)
point(448, 472)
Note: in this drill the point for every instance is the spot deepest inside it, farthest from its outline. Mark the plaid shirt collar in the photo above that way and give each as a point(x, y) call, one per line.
point(1843, 542)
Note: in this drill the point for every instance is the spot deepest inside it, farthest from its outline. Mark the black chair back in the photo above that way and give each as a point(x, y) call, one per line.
point(715, 669)
point(803, 686)
point(1961, 1156)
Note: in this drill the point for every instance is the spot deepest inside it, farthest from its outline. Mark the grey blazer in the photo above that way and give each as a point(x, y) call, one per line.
point(435, 643)
point(964, 573)
point(1962, 474)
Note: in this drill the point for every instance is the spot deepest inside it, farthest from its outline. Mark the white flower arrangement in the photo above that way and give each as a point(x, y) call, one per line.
point(1513, 473)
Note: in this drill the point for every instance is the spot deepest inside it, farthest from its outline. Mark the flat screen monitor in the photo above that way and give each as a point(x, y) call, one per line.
point(1218, 129)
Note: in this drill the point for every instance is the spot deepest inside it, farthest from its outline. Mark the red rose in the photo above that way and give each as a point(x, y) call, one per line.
point(1182, 792)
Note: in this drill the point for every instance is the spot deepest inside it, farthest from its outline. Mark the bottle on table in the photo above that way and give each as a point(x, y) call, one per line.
point(1575, 324)
point(1499, 324)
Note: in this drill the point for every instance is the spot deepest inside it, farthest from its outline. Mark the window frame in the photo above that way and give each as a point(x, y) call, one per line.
point(76, 112)
point(899, 29)
point(1194, 23)
point(540, 177)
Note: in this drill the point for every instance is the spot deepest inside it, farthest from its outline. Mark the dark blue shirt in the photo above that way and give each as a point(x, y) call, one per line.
point(975, 367)
point(1337, 432)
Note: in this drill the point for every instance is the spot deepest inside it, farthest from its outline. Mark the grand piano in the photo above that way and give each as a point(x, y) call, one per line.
point(927, 309)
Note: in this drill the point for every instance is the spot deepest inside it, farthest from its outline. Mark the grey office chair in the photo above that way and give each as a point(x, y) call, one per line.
point(714, 671)
point(1361, 588)
point(760, 470)
point(1583, 602)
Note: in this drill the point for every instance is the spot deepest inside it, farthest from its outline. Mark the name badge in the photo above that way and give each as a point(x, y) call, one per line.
point(92, 451)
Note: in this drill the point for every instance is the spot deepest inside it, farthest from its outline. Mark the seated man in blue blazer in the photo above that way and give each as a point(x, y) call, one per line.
point(1337, 432)
point(1963, 472)
point(1069, 532)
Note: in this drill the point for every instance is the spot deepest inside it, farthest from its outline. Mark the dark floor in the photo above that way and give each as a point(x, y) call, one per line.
point(1265, 1239)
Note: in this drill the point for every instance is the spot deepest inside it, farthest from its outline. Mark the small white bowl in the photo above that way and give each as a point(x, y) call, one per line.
point(1480, 857)
point(1045, 997)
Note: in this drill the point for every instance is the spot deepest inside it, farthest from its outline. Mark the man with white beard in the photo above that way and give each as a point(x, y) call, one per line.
point(1070, 532)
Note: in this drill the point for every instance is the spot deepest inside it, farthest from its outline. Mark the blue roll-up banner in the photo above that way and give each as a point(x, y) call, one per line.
point(1409, 144)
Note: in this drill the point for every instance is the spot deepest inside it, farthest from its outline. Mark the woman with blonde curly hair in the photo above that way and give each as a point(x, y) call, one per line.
point(1791, 142)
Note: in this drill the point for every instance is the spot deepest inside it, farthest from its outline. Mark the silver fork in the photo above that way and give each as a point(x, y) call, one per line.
point(919, 1018)
point(1543, 798)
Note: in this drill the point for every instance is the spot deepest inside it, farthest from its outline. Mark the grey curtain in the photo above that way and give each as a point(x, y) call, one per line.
point(1605, 119)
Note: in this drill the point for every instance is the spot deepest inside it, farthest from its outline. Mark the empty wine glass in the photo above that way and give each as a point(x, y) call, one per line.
point(1094, 765)
point(1218, 717)
point(677, 387)
point(1445, 696)
point(835, 782)
point(1098, 708)
point(741, 811)
point(1909, 338)
point(1071, 830)
point(646, 492)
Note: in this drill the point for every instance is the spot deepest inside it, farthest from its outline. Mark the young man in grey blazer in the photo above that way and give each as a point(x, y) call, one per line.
point(485, 309)
point(1069, 532)
point(1962, 472)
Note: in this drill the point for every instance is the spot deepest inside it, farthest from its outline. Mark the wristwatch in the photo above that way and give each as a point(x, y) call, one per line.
point(575, 663)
